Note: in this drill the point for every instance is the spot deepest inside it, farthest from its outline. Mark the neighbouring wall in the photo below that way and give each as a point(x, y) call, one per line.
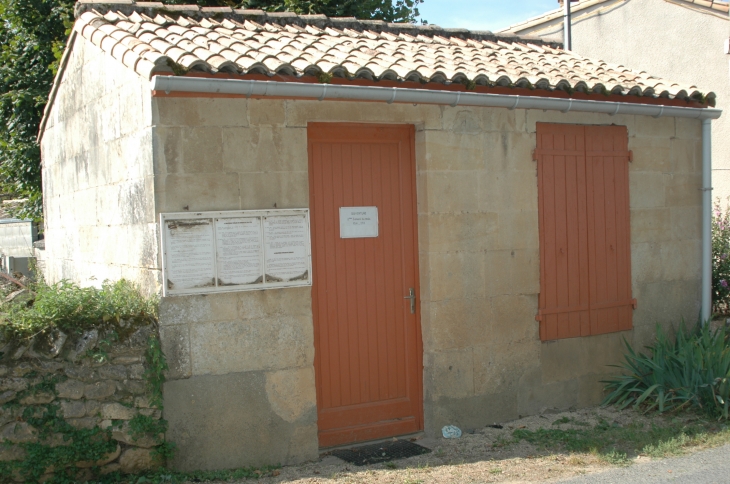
point(241, 388)
point(652, 36)
point(97, 174)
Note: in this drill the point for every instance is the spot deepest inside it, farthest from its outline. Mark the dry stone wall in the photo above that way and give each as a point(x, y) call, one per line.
point(86, 392)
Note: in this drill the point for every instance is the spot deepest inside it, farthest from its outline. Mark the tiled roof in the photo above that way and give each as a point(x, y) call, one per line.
point(721, 6)
point(151, 38)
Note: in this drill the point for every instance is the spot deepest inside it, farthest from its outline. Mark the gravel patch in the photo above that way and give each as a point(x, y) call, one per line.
point(478, 456)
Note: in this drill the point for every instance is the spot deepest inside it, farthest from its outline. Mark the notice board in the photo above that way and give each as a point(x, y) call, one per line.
point(205, 252)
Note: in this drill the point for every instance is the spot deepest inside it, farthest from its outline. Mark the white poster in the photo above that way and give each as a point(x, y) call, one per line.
point(286, 240)
point(358, 222)
point(239, 251)
point(191, 254)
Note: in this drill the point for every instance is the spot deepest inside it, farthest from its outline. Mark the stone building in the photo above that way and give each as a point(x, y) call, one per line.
point(489, 217)
point(682, 40)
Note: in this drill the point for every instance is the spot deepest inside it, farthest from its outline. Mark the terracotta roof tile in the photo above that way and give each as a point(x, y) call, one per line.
point(148, 38)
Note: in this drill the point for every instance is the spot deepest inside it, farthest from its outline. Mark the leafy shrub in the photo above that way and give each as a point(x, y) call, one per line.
point(693, 371)
point(71, 308)
point(721, 258)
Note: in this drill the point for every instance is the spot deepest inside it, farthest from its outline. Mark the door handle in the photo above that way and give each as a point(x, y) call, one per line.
point(412, 296)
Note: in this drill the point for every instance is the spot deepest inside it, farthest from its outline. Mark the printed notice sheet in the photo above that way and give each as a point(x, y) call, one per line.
point(191, 259)
point(358, 222)
point(286, 240)
point(238, 251)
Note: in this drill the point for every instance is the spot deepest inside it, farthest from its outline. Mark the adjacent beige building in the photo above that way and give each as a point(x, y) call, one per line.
point(681, 40)
point(252, 378)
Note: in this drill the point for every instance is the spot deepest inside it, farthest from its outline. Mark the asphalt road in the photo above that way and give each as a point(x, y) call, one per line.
point(705, 467)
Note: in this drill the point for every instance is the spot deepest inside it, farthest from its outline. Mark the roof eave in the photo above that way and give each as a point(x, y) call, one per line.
point(56, 84)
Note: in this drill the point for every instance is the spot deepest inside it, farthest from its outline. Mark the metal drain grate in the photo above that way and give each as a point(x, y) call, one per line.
point(382, 452)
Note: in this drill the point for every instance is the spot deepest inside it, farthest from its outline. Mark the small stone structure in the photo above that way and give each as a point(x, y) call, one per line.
point(242, 386)
point(89, 383)
point(16, 240)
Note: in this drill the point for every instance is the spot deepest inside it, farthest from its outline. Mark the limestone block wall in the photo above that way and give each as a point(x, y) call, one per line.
point(98, 175)
point(241, 383)
point(478, 263)
point(241, 387)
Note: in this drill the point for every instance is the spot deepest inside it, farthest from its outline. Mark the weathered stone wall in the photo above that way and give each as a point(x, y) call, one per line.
point(97, 174)
point(87, 380)
point(478, 262)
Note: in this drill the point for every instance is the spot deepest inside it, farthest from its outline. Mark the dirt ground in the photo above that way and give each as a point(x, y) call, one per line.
point(475, 457)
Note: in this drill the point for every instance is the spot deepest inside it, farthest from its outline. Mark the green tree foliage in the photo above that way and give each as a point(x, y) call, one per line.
point(388, 10)
point(32, 34)
point(32, 37)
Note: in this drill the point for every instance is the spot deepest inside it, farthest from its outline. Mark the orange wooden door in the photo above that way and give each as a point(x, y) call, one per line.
point(368, 355)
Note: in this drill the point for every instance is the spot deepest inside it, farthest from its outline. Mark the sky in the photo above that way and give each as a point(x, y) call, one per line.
point(491, 15)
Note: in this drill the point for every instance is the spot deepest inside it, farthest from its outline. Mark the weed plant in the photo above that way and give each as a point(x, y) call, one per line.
point(691, 371)
point(721, 258)
point(70, 308)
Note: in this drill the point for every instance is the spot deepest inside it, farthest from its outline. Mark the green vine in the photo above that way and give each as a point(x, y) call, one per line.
point(155, 372)
point(42, 456)
point(46, 385)
point(101, 353)
point(142, 425)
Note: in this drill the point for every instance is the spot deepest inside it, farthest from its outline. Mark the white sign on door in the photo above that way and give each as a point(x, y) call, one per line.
point(358, 222)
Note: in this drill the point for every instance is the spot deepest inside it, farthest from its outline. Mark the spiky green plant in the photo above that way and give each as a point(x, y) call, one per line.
point(690, 371)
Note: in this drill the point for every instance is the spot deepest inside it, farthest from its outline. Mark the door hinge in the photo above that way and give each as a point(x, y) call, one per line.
point(631, 156)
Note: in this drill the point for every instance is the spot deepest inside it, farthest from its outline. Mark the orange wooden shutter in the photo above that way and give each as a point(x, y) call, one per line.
point(609, 244)
point(564, 301)
point(585, 266)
